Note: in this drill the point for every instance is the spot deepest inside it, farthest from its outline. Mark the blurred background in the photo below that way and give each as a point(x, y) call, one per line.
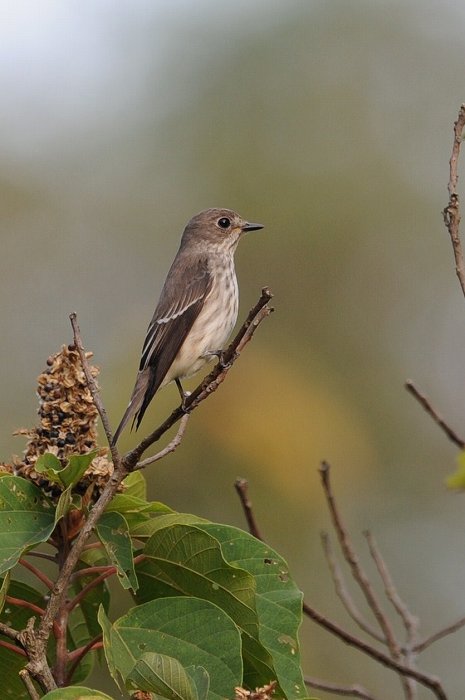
point(331, 123)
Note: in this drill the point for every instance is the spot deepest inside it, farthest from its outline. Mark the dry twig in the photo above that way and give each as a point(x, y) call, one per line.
point(348, 691)
point(242, 486)
point(343, 592)
point(451, 213)
point(423, 401)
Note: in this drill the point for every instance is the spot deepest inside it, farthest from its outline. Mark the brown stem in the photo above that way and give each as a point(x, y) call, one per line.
point(423, 401)
point(242, 486)
point(342, 591)
point(428, 681)
point(38, 573)
point(27, 680)
point(77, 655)
point(421, 646)
point(349, 691)
point(451, 213)
point(12, 647)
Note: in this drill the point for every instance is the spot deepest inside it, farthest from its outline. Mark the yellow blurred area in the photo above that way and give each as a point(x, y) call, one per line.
point(286, 446)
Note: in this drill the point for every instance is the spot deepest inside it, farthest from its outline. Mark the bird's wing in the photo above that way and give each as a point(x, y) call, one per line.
point(174, 316)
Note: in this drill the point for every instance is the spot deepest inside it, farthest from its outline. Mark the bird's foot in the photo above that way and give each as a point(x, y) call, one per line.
point(216, 353)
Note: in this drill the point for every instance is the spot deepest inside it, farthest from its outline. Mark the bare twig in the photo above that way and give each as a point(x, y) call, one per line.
point(93, 388)
point(348, 691)
point(451, 213)
point(410, 621)
point(425, 643)
point(27, 680)
point(423, 401)
point(241, 486)
point(9, 632)
point(424, 679)
point(431, 682)
point(361, 578)
point(171, 447)
point(342, 591)
point(352, 559)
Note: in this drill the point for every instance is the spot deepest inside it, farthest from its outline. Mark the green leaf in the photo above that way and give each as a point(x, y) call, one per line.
point(457, 479)
point(77, 465)
point(148, 528)
point(194, 632)
point(26, 518)
point(70, 474)
point(113, 531)
point(185, 560)
point(64, 504)
point(278, 604)
point(49, 465)
point(162, 675)
point(76, 693)
point(135, 510)
point(4, 589)
point(16, 617)
point(135, 485)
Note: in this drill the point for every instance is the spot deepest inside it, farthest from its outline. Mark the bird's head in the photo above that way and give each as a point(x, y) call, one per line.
point(217, 229)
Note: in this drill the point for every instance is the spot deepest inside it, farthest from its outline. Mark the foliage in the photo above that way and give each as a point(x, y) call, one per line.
point(216, 609)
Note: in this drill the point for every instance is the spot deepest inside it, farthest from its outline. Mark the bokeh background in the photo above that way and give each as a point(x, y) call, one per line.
point(330, 122)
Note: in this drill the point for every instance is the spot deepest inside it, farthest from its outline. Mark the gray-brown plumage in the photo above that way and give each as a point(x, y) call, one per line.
point(197, 309)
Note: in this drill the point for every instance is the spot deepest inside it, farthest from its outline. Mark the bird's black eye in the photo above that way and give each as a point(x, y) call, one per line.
point(224, 222)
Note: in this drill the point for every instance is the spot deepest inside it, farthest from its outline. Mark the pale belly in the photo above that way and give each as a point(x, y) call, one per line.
point(209, 333)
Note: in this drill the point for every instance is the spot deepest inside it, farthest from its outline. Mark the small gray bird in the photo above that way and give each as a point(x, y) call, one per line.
point(197, 309)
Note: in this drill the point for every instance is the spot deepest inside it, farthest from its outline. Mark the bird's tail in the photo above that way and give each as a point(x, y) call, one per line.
point(136, 403)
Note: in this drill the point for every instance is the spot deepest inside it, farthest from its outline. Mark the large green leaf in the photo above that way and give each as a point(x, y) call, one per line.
point(113, 531)
point(186, 560)
point(278, 604)
point(135, 510)
point(165, 676)
point(194, 632)
point(76, 693)
point(27, 517)
point(16, 617)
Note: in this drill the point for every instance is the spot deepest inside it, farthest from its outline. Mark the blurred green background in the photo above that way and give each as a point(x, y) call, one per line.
point(331, 123)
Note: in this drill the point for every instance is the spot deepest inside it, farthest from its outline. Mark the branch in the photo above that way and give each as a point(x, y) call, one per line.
point(428, 681)
point(360, 576)
point(352, 691)
point(410, 621)
point(93, 388)
point(171, 447)
point(343, 593)
point(241, 486)
point(423, 401)
point(421, 646)
point(451, 213)
point(27, 680)
point(260, 311)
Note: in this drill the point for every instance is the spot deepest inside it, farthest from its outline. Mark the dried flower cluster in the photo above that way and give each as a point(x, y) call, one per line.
point(68, 420)
point(264, 693)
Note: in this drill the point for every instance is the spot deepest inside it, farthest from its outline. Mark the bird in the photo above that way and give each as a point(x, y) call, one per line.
point(196, 311)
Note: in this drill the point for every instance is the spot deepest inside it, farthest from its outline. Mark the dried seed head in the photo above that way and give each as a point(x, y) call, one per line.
point(67, 421)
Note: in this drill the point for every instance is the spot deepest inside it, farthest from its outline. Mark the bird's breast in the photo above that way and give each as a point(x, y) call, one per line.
point(212, 327)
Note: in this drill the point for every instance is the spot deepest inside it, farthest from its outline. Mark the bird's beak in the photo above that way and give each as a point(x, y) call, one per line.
point(251, 227)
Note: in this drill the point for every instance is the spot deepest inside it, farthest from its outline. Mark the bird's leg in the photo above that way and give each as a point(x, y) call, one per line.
point(183, 394)
point(216, 353)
